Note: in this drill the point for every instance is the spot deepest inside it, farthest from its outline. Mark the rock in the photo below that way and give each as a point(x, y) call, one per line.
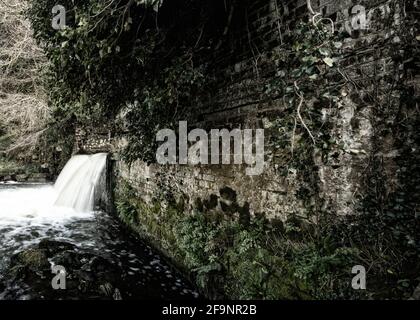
point(34, 259)
point(18, 272)
point(68, 259)
point(99, 264)
point(85, 286)
point(104, 270)
point(416, 294)
point(89, 276)
point(38, 177)
point(107, 289)
point(85, 276)
point(21, 177)
point(117, 295)
point(35, 234)
point(53, 247)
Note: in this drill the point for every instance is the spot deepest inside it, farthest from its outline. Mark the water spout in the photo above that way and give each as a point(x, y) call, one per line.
point(78, 183)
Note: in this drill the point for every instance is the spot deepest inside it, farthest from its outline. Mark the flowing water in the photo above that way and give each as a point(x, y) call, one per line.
point(78, 182)
point(30, 213)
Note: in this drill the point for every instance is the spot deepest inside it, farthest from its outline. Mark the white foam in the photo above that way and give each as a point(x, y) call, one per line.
point(32, 206)
point(29, 213)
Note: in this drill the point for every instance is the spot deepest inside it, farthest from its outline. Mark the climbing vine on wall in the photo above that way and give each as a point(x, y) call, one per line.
point(125, 64)
point(313, 84)
point(160, 104)
point(96, 61)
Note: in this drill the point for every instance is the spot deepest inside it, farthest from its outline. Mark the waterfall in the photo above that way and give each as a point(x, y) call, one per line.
point(79, 182)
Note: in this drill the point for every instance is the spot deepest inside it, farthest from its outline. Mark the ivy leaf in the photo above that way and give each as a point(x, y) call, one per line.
point(324, 52)
point(328, 61)
point(310, 60)
point(297, 46)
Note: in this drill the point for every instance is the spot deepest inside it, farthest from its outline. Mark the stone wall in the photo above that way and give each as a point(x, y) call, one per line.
point(243, 66)
point(337, 183)
point(93, 140)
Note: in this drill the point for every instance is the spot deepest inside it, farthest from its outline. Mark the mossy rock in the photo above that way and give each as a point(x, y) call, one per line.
point(34, 259)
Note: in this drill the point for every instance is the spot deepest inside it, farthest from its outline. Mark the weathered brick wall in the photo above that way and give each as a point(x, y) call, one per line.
point(243, 66)
point(93, 140)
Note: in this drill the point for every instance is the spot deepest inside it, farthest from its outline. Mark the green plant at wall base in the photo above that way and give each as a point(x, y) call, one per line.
point(127, 212)
point(229, 259)
point(260, 261)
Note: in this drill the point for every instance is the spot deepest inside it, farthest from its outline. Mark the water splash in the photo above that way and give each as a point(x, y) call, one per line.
point(78, 183)
point(30, 212)
point(73, 195)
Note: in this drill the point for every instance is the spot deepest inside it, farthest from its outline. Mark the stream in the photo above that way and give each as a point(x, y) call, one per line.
point(102, 258)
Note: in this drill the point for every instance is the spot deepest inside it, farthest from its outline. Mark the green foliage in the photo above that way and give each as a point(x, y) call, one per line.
point(56, 144)
point(229, 259)
point(264, 261)
point(386, 235)
point(308, 63)
point(308, 84)
point(113, 61)
point(385, 230)
point(160, 104)
point(91, 61)
point(127, 212)
point(308, 79)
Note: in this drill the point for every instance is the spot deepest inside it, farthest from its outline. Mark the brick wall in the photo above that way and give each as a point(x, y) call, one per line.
point(242, 66)
point(93, 140)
